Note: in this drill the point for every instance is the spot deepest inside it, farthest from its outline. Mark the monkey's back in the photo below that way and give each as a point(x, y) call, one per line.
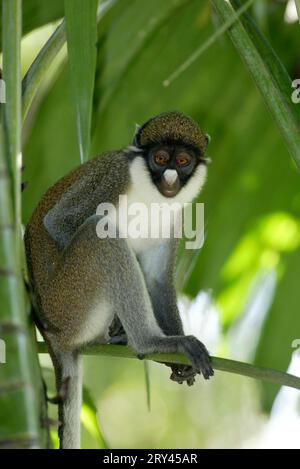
point(42, 252)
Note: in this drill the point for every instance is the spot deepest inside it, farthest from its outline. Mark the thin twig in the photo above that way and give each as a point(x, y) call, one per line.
point(209, 42)
point(220, 364)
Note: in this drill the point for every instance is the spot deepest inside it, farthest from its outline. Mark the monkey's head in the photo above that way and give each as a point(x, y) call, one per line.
point(173, 147)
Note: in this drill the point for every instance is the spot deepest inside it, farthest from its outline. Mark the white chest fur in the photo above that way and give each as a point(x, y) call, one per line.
point(149, 216)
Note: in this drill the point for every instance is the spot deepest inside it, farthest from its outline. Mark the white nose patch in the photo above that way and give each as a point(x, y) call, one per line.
point(170, 176)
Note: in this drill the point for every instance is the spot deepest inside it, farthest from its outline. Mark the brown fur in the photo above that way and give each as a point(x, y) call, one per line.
point(43, 253)
point(173, 126)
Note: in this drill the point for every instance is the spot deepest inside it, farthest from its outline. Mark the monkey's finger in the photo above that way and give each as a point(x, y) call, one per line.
point(205, 366)
point(206, 369)
point(175, 377)
point(183, 373)
point(190, 381)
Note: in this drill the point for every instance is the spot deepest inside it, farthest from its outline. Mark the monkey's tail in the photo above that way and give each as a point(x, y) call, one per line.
point(69, 406)
point(68, 372)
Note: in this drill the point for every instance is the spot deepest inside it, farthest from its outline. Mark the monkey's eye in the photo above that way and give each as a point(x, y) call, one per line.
point(183, 159)
point(161, 157)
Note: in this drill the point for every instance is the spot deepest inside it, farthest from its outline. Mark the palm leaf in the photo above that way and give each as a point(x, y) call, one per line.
point(268, 73)
point(22, 403)
point(81, 27)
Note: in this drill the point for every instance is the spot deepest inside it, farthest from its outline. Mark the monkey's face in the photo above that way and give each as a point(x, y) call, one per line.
point(172, 147)
point(171, 166)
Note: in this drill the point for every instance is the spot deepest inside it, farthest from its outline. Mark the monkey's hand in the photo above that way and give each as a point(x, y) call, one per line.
point(198, 354)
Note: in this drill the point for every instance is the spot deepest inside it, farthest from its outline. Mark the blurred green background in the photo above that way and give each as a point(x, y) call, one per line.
point(247, 273)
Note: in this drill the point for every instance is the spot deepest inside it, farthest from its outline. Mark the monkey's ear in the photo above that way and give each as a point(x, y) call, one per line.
point(207, 138)
point(136, 132)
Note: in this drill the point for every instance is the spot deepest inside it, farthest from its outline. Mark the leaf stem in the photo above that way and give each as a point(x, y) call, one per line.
point(220, 364)
point(45, 57)
point(297, 2)
point(11, 40)
point(268, 72)
point(40, 65)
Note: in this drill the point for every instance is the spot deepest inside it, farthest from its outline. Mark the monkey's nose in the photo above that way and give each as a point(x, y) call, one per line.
point(170, 176)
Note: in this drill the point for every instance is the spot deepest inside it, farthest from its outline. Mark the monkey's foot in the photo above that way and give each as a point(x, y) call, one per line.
point(118, 339)
point(62, 392)
point(181, 373)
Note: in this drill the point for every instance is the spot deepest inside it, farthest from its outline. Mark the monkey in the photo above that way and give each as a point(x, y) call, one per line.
point(82, 283)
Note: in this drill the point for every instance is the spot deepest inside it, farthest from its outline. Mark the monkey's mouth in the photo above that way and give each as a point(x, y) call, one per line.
point(169, 190)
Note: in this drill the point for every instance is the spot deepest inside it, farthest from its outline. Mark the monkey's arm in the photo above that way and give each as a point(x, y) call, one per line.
point(104, 178)
point(158, 265)
point(68, 213)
